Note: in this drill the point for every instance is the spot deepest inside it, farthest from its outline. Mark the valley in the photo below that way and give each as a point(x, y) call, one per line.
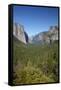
point(35, 63)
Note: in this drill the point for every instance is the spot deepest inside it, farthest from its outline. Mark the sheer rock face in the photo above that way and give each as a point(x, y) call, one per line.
point(42, 37)
point(19, 33)
point(45, 37)
point(54, 33)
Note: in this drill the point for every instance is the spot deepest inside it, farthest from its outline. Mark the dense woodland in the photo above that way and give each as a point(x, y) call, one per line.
point(35, 63)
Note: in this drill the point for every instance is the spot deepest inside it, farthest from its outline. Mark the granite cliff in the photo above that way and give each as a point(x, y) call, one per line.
point(47, 36)
point(43, 37)
point(19, 33)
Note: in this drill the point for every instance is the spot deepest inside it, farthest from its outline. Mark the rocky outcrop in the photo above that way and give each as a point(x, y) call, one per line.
point(47, 37)
point(43, 37)
point(53, 32)
point(19, 33)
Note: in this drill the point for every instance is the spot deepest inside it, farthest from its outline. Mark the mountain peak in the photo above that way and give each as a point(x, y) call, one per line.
point(42, 37)
point(19, 33)
point(47, 36)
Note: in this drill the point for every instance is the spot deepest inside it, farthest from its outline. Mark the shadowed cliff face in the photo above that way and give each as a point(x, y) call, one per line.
point(19, 33)
point(26, 36)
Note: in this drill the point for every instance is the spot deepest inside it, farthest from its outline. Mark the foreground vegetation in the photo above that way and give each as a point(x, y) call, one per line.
point(34, 63)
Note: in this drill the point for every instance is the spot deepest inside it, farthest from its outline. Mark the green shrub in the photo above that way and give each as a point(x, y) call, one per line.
point(35, 63)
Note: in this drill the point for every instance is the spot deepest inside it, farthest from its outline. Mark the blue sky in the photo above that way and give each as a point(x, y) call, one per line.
point(35, 19)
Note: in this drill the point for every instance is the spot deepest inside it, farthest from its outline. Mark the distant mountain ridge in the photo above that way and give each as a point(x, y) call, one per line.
point(47, 36)
point(43, 37)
